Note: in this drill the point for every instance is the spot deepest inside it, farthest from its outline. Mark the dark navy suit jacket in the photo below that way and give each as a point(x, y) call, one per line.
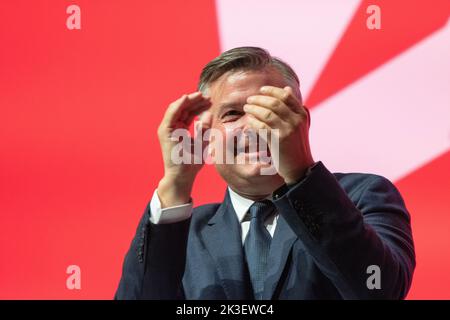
point(331, 228)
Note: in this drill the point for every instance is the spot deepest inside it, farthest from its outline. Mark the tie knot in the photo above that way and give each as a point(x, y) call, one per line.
point(260, 210)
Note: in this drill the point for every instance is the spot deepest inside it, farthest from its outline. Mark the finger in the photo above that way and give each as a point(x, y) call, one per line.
point(302, 108)
point(257, 125)
point(193, 102)
point(200, 127)
point(284, 94)
point(273, 104)
point(188, 115)
point(206, 119)
point(264, 115)
point(300, 102)
point(203, 124)
point(175, 109)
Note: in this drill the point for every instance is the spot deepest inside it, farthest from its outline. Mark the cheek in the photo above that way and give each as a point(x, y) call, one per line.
point(220, 131)
point(235, 127)
point(224, 131)
point(230, 134)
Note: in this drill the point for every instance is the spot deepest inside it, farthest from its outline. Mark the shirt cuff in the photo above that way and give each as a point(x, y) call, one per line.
point(168, 215)
point(281, 191)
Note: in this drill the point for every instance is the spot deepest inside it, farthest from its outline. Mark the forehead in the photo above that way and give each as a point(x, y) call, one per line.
point(238, 85)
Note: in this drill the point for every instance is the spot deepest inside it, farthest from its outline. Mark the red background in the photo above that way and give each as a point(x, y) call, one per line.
point(79, 156)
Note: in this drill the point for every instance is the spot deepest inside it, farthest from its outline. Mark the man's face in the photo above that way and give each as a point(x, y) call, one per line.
point(228, 96)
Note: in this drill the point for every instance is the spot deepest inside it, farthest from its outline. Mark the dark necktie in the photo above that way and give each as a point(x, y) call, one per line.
point(257, 245)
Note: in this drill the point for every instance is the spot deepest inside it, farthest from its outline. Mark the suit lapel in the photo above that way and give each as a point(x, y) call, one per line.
point(222, 238)
point(280, 247)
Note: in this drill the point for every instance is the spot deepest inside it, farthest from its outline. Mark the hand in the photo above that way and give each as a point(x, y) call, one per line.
point(176, 185)
point(278, 108)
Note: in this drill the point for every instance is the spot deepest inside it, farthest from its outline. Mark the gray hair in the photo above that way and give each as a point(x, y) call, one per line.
point(244, 59)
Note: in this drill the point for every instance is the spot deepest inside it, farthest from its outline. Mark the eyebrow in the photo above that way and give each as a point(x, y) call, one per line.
point(223, 107)
point(228, 105)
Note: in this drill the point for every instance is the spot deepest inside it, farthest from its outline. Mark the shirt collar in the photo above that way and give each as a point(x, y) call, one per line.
point(240, 204)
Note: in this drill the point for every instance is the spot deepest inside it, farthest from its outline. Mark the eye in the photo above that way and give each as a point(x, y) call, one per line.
point(231, 114)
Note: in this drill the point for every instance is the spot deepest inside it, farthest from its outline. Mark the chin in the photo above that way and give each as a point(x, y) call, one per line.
point(252, 170)
point(248, 178)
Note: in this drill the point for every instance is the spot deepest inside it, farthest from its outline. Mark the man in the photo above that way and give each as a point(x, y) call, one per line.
point(300, 233)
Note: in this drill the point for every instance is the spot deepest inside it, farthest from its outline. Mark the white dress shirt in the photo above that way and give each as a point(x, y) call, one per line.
point(184, 211)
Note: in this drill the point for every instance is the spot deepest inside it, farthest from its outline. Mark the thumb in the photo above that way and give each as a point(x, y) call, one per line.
point(202, 134)
point(206, 119)
point(289, 89)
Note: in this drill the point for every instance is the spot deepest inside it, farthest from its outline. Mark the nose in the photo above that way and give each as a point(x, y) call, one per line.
point(245, 122)
point(242, 124)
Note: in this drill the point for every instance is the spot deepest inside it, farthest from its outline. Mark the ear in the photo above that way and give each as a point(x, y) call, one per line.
point(309, 116)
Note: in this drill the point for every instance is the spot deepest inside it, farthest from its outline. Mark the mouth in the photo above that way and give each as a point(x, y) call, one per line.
point(258, 149)
point(250, 147)
point(250, 155)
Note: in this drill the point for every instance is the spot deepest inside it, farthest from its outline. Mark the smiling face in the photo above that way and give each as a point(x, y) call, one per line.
point(228, 96)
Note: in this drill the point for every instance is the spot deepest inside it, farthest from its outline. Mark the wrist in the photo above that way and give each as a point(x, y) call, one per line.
point(298, 174)
point(174, 191)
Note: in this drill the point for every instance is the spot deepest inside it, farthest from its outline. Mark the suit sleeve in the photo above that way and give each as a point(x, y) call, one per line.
point(347, 233)
point(154, 265)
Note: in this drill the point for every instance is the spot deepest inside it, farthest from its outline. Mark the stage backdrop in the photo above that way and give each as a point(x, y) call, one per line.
point(84, 84)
